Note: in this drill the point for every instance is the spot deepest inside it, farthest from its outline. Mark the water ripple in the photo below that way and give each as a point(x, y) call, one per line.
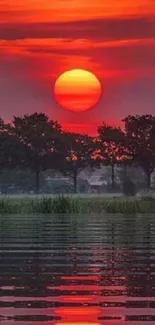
point(77, 270)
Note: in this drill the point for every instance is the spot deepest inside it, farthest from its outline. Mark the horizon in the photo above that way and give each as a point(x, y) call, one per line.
point(70, 128)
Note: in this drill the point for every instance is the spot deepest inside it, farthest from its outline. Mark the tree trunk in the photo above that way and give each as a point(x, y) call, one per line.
point(37, 185)
point(113, 176)
point(75, 181)
point(148, 175)
point(125, 171)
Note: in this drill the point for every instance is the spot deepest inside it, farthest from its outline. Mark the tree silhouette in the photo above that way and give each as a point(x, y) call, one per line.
point(111, 147)
point(10, 147)
point(34, 142)
point(79, 154)
point(39, 137)
point(140, 131)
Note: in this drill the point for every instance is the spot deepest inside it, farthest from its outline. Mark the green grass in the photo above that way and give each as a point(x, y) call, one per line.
point(64, 204)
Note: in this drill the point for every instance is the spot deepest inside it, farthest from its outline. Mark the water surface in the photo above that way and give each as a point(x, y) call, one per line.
point(80, 270)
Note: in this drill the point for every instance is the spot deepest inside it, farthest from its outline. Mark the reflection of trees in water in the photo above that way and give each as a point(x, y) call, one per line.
point(79, 263)
point(5, 234)
point(54, 234)
point(140, 280)
point(23, 260)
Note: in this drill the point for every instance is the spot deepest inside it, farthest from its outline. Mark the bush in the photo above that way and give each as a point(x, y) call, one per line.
point(61, 204)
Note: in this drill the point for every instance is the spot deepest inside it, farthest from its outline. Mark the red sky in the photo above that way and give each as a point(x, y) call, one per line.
point(115, 39)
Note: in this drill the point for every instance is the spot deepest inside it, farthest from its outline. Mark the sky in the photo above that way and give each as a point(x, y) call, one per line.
point(114, 39)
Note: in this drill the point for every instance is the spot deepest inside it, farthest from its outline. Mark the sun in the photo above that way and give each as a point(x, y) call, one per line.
point(77, 90)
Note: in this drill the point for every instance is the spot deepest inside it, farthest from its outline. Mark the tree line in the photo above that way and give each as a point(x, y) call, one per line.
point(37, 143)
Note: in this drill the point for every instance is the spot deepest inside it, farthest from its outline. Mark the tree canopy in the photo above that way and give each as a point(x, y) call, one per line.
point(34, 142)
point(79, 154)
point(140, 132)
point(111, 146)
point(39, 137)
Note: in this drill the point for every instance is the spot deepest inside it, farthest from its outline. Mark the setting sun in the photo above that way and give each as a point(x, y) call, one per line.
point(77, 90)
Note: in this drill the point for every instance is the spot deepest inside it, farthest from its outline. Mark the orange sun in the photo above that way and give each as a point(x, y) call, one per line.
point(77, 90)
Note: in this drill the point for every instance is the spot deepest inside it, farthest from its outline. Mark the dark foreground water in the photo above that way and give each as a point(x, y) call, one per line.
point(77, 270)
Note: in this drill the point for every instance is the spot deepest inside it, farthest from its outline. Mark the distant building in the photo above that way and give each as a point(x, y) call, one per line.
point(62, 179)
point(97, 185)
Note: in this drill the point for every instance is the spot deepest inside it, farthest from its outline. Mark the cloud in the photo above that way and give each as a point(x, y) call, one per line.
point(120, 51)
point(113, 59)
point(99, 29)
point(67, 10)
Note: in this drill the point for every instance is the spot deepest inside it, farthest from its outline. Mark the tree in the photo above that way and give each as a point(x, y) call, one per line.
point(140, 132)
point(79, 150)
point(39, 136)
point(111, 147)
point(3, 145)
point(16, 179)
point(10, 147)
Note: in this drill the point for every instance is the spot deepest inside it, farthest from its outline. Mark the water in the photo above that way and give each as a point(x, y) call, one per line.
point(77, 270)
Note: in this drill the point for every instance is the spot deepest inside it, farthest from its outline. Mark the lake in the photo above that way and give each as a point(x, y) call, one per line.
point(82, 270)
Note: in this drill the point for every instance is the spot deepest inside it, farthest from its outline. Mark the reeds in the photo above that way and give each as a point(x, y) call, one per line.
point(64, 204)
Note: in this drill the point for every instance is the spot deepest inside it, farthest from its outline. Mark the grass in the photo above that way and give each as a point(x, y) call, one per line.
point(64, 204)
